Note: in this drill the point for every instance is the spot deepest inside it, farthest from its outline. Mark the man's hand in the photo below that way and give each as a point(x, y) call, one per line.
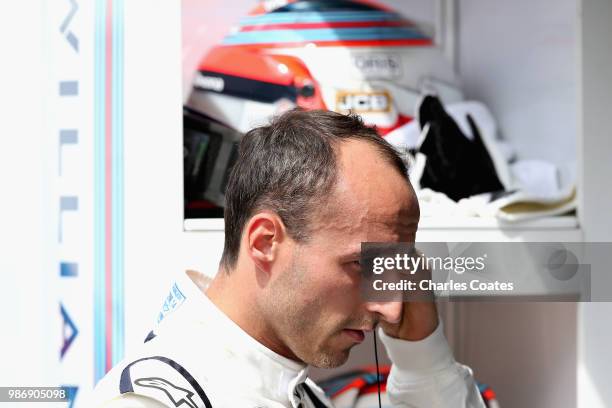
point(419, 320)
point(419, 316)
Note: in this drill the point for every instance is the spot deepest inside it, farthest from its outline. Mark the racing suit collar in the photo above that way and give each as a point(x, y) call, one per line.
point(279, 375)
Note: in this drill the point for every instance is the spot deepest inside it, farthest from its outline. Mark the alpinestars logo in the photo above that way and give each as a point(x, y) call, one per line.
point(177, 395)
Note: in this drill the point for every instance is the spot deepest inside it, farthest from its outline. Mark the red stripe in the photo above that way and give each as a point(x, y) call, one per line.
point(343, 24)
point(356, 383)
point(108, 185)
point(373, 388)
point(261, 9)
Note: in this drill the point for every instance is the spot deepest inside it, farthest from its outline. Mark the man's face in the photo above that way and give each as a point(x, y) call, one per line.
point(316, 303)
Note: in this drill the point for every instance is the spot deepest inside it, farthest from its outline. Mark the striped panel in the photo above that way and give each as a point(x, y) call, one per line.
point(108, 190)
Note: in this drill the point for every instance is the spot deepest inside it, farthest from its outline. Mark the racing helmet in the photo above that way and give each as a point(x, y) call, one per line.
point(341, 55)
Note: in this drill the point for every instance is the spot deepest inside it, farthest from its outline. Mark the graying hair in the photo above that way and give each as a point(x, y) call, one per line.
point(289, 166)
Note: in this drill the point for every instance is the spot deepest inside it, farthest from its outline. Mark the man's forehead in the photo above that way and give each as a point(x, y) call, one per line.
point(370, 198)
point(369, 227)
point(368, 183)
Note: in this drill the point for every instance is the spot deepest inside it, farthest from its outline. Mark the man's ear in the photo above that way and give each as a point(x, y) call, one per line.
point(264, 232)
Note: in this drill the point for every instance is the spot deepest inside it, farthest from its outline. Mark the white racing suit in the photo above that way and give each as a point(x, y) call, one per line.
point(198, 358)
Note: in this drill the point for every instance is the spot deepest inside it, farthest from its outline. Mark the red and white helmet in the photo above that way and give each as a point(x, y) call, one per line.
point(340, 55)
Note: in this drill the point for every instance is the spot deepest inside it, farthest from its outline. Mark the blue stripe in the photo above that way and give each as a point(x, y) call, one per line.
point(99, 216)
point(323, 34)
point(320, 17)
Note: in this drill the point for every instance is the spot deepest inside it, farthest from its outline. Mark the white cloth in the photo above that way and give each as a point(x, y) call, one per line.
point(234, 370)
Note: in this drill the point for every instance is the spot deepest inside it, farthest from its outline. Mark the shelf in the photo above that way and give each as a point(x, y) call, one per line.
point(552, 223)
point(560, 228)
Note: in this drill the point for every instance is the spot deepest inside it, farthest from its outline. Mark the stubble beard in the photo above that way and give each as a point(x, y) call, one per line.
point(305, 339)
point(295, 323)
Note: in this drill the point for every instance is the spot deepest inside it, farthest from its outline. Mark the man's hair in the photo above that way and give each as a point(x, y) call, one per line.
point(289, 167)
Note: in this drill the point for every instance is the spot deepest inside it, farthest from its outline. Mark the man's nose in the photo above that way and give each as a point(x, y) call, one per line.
point(390, 312)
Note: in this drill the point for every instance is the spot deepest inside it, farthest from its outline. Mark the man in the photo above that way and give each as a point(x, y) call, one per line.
point(305, 192)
